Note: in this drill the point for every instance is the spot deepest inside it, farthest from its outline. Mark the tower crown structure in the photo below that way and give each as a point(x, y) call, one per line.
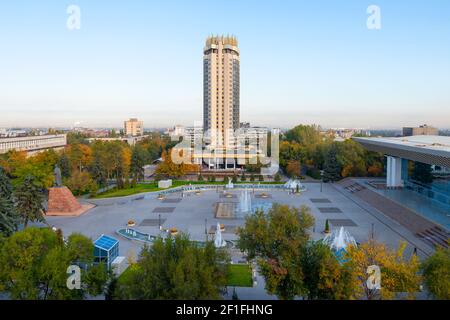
point(224, 40)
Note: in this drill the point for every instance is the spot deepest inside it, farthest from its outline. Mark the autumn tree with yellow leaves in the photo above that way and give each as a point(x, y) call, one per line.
point(398, 273)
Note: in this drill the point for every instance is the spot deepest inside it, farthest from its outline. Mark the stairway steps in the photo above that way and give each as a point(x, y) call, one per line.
point(441, 232)
point(430, 233)
point(435, 242)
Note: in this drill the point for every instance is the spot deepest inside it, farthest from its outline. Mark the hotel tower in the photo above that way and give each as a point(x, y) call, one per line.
point(220, 89)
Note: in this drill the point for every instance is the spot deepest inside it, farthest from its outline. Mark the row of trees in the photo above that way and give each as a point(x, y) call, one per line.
point(86, 167)
point(305, 147)
point(295, 266)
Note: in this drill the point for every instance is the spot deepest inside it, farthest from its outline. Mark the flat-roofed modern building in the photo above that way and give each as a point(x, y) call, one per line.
point(133, 127)
point(431, 150)
point(33, 144)
point(421, 130)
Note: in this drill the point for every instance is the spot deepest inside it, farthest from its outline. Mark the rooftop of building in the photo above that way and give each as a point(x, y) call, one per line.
point(225, 40)
point(30, 137)
point(105, 242)
point(422, 143)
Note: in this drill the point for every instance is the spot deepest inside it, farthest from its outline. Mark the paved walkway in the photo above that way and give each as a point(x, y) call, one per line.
point(385, 212)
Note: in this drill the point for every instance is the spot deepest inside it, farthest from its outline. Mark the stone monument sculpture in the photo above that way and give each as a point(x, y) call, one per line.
point(61, 201)
point(58, 178)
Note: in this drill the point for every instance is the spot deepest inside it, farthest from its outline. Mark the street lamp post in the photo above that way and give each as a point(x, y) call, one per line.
point(206, 229)
point(159, 221)
point(321, 180)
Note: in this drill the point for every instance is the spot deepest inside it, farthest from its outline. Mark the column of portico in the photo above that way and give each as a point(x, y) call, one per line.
point(394, 172)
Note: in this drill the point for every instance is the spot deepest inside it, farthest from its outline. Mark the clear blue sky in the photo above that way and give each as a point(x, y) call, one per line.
point(301, 62)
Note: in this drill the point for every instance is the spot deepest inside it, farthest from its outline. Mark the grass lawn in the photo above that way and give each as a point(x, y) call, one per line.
point(239, 275)
point(153, 186)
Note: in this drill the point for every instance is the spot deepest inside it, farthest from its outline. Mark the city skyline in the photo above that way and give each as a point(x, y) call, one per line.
point(125, 61)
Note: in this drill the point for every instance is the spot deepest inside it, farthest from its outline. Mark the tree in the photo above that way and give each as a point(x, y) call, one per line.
point(275, 241)
point(293, 169)
point(33, 265)
point(98, 172)
point(327, 226)
point(277, 177)
point(8, 217)
point(422, 172)
point(331, 167)
point(64, 164)
point(436, 274)
point(252, 167)
point(304, 134)
point(5, 184)
point(137, 164)
point(28, 198)
point(398, 274)
point(323, 276)
point(120, 159)
point(175, 268)
point(79, 155)
point(81, 183)
point(40, 166)
point(168, 169)
point(375, 170)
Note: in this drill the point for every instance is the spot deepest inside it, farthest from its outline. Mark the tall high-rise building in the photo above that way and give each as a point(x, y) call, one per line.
point(134, 127)
point(220, 89)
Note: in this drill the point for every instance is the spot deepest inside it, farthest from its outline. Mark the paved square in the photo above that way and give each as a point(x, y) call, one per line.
point(195, 211)
point(266, 196)
point(320, 200)
point(171, 200)
point(151, 222)
point(342, 223)
point(330, 210)
point(163, 210)
point(228, 196)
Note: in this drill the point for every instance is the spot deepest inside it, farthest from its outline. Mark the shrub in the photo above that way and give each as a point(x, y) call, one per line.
point(277, 177)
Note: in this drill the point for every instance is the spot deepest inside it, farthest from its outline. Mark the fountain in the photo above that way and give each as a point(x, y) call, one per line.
point(295, 185)
point(245, 203)
point(339, 240)
point(230, 184)
point(218, 241)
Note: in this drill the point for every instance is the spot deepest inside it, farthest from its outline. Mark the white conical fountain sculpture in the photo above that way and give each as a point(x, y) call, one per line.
point(218, 241)
point(293, 184)
point(230, 184)
point(339, 239)
point(245, 203)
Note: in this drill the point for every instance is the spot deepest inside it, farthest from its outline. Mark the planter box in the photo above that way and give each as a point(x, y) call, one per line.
point(164, 184)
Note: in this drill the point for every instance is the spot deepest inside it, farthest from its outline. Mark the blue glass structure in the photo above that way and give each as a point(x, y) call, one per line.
point(106, 249)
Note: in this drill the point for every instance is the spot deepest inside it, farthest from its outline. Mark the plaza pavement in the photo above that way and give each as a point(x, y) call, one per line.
point(190, 213)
